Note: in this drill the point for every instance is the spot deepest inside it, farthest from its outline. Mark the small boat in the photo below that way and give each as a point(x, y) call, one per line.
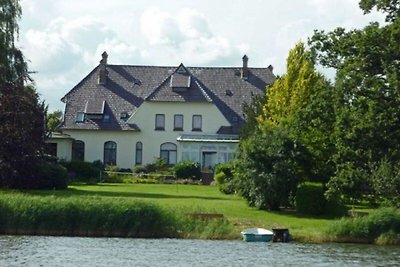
point(257, 235)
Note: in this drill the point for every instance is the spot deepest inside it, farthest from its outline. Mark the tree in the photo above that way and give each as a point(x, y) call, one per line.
point(302, 99)
point(53, 120)
point(21, 113)
point(292, 92)
point(367, 127)
point(251, 112)
point(270, 165)
point(390, 7)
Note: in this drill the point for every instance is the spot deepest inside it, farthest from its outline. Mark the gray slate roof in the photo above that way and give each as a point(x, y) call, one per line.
point(129, 86)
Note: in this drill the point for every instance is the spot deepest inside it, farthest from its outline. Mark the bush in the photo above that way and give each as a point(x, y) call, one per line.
point(380, 225)
point(150, 167)
point(83, 170)
point(310, 198)
point(224, 177)
point(52, 175)
point(187, 169)
point(139, 169)
point(269, 167)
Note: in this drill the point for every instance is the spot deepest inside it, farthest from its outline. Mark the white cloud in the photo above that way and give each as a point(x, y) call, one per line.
point(64, 39)
point(185, 37)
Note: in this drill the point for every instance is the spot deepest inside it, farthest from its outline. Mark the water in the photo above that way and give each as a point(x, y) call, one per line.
point(75, 251)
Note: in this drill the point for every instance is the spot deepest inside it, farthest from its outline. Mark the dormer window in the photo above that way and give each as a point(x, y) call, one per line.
point(180, 82)
point(124, 116)
point(80, 117)
point(106, 118)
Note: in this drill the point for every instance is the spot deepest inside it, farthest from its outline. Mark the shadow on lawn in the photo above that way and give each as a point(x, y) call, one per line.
point(70, 192)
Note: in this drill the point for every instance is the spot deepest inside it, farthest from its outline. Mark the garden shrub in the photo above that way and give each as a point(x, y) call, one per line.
point(224, 177)
point(82, 169)
point(139, 169)
point(187, 169)
point(51, 175)
point(150, 167)
point(310, 198)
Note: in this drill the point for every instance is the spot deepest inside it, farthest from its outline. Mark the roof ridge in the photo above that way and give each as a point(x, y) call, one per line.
point(188, 67)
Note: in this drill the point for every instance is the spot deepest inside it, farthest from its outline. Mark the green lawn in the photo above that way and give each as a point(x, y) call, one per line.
point(203, 199)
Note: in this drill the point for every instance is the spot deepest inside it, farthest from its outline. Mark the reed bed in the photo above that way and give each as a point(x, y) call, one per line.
point(23, 214)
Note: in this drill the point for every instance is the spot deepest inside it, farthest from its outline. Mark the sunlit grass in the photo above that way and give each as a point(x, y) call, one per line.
point(206, 199)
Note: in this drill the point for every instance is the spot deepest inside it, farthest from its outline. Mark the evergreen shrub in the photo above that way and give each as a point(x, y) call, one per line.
point(310, 198)
point(187, 169)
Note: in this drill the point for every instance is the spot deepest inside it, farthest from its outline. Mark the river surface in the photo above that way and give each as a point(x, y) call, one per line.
point(77, 251)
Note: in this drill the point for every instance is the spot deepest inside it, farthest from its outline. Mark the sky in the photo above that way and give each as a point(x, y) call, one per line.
point(63, 40)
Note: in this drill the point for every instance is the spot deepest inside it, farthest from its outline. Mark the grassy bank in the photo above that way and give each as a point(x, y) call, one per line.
point(381, 226)
point(187, 199)
point(100, 216)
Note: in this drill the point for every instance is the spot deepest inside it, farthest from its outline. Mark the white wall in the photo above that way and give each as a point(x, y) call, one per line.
point(94, 144)
point(144, 118)
point(64, 148)
point(212, 120)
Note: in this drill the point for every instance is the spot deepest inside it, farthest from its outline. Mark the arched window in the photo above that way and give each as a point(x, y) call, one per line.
point(78, 150)
point(168, 153)
point(139, 153)
point(110, 153)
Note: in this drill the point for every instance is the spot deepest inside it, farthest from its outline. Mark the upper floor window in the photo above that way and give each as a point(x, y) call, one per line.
point(196, 123)
point(80, 116)
point(178, 122)
point(78, 150)
point(139, 153)
point(160, 122)
point(110, 153)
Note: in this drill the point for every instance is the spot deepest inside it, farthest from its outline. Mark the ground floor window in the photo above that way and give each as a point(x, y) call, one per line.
point(168, 153)
point(78, 150)
point(139, 153)
point(110, 153)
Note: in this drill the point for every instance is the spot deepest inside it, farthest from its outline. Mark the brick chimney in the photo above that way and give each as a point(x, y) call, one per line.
point(245, 69)
point(103, 69)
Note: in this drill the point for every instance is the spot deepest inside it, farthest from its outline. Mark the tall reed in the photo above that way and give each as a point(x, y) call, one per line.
point(101, 216)
point(381, 226)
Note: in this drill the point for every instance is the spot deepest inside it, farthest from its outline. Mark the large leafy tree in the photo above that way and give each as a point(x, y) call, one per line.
point(21, 113)
point(390, 7)
point(302, 100)
point(291, 141)
point(367, 127)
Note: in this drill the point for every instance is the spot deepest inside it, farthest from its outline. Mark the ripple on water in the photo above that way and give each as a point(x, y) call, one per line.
point(78, 251)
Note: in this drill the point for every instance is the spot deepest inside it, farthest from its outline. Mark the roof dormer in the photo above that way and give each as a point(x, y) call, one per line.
point(180, 79)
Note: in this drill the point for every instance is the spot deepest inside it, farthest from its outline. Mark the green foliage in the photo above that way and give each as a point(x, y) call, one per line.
point(269, 168)
point(251, 111)
point(83, 170)
point(22, 128)
point(84, 216)
point(22, 135)
point(379, 224)
point(310, 198)
point(96, 216)
point(224, 177)
point(386, 181)
point(139, 169)
point(53, 120)
point(291, 92)
point(390, 7)
point(367, 98)
point(187, 169)
point(52, 175)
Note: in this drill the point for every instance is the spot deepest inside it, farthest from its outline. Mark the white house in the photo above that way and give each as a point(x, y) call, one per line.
point(128, 115)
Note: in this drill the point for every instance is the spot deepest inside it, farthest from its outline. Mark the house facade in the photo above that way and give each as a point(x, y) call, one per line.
point(128, 115)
